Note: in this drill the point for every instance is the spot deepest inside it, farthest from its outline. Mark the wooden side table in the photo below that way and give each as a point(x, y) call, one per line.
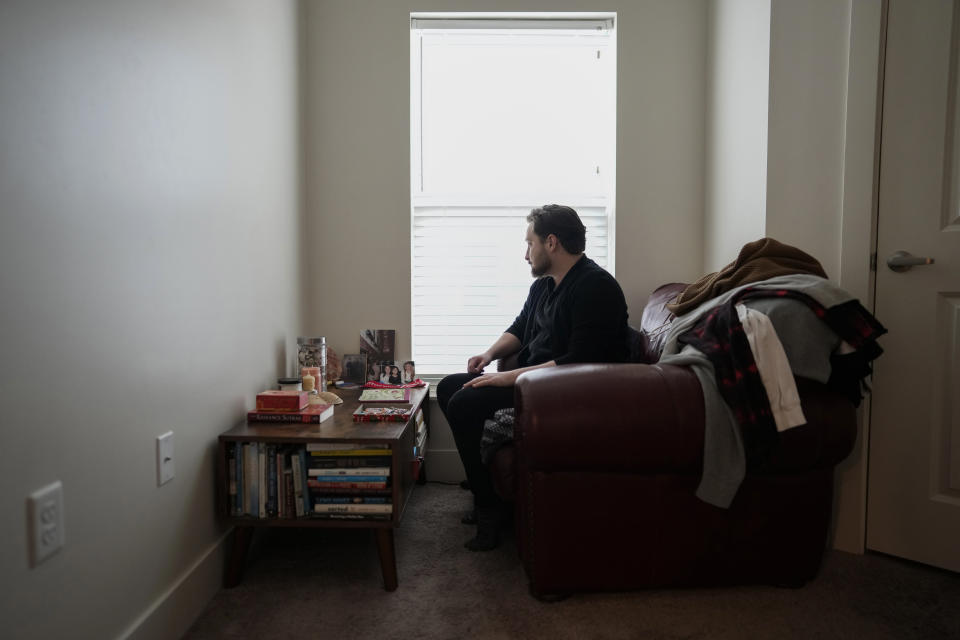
point(406, 471)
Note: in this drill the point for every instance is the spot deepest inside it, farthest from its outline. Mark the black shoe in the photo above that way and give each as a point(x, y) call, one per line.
point(470, 517)
point(488, 529)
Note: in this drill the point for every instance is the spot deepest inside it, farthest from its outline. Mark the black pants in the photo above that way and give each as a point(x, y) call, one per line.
point(466, 410)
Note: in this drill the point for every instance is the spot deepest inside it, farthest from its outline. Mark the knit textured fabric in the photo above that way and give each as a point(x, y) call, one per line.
point(496, 433)
point(758, 260)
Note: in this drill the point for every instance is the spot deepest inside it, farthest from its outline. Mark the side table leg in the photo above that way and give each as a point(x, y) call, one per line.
point(388, 558)
point(237, 557)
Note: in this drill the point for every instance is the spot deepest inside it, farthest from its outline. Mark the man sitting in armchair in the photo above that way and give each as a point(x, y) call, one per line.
point(575, 312)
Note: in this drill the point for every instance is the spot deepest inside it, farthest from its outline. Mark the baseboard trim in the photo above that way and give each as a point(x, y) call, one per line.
point(443, 465)
point(171, 614)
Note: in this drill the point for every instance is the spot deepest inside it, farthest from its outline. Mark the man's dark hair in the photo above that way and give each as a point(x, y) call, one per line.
point(562, 222)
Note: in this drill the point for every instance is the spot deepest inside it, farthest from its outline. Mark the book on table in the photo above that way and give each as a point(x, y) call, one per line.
point(311, 414)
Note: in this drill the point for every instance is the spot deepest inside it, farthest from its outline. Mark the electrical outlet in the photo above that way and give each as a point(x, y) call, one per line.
point(165, 458)
point(45, 507)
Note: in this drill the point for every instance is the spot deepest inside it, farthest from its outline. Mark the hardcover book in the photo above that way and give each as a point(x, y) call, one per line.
point(311, 414)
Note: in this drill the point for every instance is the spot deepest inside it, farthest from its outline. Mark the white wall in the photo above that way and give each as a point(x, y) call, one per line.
point(738, 56)
point(358, 153)
point(358, 160)
point(149, 193)
point(820, 124)
point(809, 54)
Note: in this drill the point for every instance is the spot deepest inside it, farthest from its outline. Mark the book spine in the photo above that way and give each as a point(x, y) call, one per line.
point(290, 502)
point(302, 454)
point(348, 463)
point(356, 471)
point(264, 487)
point(349, 478)
point(314, 484)
point(327, 490)
point(281, 484)
point(251, 475)
point(320, 499)
point(271, 455)
point(353, 508)
point(351, 452)
point(238, 505)
point(231, 476)
point(294, 417)
point(298, 484)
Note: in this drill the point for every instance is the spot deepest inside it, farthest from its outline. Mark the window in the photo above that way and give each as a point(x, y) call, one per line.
point(507, 113)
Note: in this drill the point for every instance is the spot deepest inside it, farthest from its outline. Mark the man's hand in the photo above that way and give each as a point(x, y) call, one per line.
point(476, 364)
point(502, 379)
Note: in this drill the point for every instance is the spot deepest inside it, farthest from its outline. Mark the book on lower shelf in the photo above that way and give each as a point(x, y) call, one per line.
point(275, 480)
point(342, 472)
point(363, 508)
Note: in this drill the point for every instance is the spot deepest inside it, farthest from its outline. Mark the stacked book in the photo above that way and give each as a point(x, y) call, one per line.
point(349, 480)
point(329, 480)
point(383, 405)
point(420, 440)
point(267, 480)
point(289, 407)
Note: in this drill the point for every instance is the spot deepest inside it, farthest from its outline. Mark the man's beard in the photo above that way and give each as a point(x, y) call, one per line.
point(536, 271)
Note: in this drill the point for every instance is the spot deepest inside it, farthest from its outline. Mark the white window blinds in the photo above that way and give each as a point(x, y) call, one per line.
point(505, 116)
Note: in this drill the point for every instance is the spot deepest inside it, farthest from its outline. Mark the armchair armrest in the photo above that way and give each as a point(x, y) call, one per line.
point(610, 417)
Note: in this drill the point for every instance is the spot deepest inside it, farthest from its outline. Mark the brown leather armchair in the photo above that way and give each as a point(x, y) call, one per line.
point(604, 465)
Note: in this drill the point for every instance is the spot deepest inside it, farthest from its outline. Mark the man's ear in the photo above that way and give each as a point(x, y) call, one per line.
point(552, 242)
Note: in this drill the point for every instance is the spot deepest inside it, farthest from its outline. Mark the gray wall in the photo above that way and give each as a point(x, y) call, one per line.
point(358, 154)
point(152, 235)
point(149, 182)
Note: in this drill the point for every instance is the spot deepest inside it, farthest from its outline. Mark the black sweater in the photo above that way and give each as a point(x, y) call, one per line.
point(582, 320)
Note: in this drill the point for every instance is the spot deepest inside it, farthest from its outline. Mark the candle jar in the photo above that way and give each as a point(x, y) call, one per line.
point(312, 352)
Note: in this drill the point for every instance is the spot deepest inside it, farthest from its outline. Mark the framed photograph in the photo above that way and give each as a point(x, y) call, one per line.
point(354, 368)
point(409, 372)
point(390, 372)
point(378, 344)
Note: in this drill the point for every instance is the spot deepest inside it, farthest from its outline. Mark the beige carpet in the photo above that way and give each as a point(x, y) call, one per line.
point(326, 584)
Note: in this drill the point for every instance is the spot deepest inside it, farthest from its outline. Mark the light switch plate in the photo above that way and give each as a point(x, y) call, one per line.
point(165, 466)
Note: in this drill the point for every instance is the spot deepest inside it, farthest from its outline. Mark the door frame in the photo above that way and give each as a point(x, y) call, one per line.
point(858, 238)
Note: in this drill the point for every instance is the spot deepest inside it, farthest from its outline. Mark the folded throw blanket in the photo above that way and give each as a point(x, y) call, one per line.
point(758, 260)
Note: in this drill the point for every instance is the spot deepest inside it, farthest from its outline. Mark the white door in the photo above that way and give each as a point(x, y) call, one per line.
point(913, 500)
